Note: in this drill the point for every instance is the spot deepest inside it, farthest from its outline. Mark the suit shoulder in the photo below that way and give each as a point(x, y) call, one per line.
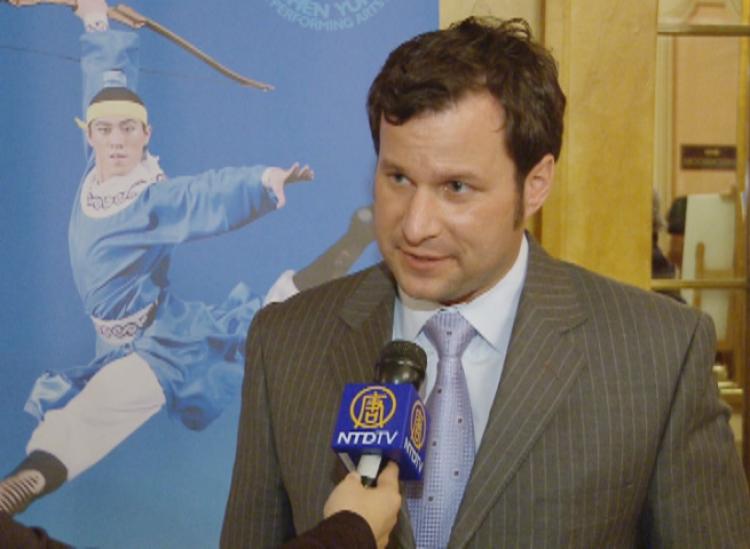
point(320, 301)
point(603, 295)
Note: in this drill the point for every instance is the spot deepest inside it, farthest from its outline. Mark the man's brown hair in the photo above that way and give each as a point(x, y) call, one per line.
point(436, 69)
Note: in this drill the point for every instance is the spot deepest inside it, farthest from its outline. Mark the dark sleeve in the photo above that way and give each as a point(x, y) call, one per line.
point(343, 530)
point(698, 495)
point(258, 514)
point(14, 535)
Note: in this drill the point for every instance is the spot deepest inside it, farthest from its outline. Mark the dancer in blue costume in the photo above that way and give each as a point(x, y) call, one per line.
point(153, 349)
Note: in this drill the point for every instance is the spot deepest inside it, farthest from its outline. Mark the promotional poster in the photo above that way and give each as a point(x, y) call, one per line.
point(243, 176)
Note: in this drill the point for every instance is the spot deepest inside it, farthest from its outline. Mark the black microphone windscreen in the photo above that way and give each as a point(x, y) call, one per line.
point(402, 361)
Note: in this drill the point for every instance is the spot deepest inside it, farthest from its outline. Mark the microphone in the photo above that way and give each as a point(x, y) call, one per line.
point(385, 419)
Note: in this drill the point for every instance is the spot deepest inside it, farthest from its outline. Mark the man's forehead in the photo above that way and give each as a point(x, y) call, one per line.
point(114, 121)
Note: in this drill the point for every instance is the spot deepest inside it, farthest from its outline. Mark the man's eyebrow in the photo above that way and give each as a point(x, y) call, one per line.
point(388, 163)
point(466, 174)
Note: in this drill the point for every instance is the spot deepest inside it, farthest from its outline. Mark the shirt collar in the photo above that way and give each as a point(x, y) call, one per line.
point(486, 313)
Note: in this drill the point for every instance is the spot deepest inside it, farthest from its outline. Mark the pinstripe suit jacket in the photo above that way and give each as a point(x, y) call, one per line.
point(606, 430)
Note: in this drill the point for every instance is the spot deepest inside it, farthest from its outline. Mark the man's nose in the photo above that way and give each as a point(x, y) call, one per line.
point(421, 218)
point(116, 137)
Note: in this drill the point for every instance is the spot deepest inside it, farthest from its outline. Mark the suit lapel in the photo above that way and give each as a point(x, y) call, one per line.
point(540, 366)
point(368, 324)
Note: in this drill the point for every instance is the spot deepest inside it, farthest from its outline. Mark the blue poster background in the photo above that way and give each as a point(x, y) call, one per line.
point(166, 486)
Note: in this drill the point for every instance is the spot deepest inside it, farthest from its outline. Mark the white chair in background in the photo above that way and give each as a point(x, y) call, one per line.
point(713, 250)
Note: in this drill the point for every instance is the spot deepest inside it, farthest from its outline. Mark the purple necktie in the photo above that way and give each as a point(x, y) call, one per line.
point(434, 502)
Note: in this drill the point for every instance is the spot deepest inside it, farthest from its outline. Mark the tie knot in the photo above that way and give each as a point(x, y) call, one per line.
point(450, 333)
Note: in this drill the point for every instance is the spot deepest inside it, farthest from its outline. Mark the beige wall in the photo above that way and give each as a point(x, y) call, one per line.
point(705, 100)
point(600, 214)
point(531, 10)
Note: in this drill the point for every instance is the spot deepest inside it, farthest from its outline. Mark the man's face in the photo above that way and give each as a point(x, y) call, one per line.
point(445, 196)
point(118, 144)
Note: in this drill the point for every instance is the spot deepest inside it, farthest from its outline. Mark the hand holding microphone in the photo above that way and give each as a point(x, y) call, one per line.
point(379, 506)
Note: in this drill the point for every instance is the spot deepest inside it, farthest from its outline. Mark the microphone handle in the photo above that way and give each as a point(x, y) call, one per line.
point(368, 468)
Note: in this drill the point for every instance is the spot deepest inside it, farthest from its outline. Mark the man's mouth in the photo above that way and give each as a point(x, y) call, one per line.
point(421, 260)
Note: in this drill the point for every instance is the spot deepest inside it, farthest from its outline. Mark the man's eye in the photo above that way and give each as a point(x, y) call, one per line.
point(399, 179)
point(458, 187)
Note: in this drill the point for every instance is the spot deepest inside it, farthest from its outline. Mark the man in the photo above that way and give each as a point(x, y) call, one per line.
point(153, 349)
point(676, 229)
point(661, 266)
point(592, 417)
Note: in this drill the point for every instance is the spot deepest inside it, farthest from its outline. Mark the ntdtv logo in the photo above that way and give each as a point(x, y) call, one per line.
point(373, 407)
point(383, 419)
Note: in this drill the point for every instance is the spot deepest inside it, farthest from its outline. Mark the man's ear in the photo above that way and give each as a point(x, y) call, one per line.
point(147, 131)
point(538, 184)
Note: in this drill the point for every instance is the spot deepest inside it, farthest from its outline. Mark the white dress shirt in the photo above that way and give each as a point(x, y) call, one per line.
point(492, 315)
